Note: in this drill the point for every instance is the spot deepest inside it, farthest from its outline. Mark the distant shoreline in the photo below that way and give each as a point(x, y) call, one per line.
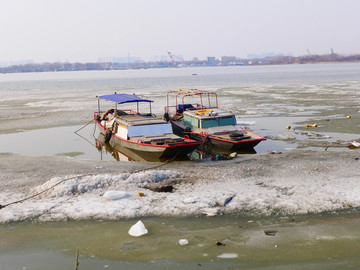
point(273, 60)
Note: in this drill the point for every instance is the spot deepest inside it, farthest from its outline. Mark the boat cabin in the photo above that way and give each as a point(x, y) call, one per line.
point(129, 126)
point(208, 118)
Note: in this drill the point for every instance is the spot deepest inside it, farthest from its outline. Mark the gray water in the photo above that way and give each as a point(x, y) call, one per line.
point(39, 113)
point(313, 243)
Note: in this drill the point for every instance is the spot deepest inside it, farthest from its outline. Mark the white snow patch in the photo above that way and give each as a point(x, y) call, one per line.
point(113, 195)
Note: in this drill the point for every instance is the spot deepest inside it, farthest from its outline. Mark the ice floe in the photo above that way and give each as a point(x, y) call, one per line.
point(138, 229)
point(183, 242)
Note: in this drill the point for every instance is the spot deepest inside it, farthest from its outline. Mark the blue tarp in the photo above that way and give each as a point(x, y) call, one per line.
point(124, 98)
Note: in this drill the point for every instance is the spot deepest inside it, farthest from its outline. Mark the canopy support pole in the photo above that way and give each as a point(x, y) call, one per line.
point(98, 105)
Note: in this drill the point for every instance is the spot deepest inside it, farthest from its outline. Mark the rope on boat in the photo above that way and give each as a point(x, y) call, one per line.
point(206, 140)
point(76, 132)
point(83, 175)
point(83, 126)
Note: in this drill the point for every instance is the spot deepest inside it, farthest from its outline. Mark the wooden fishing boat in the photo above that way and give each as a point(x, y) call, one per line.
point(207, 123)
point(144, 134)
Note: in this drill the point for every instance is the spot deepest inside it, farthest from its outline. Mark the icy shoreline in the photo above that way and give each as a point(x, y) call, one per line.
point(296, 182)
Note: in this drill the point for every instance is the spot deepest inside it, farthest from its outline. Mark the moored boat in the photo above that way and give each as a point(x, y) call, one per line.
point(146, 135)
point(207, 123)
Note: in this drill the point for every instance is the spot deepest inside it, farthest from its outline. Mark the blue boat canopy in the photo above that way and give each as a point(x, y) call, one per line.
point(124, 98)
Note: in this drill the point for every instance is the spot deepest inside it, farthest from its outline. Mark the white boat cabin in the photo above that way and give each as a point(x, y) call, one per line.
point(129, 126)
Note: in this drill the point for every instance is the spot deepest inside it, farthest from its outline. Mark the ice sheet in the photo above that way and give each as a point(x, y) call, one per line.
point(285, 184)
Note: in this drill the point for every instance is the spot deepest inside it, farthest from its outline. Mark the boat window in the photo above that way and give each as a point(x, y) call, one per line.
point(191, 121)
point(208, 123)
point(147, 130)
point(225, 121)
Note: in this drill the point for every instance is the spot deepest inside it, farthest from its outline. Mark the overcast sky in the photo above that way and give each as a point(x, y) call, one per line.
point(83, 30)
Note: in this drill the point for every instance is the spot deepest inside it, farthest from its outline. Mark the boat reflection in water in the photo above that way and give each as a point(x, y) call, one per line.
point(206, 152)
point(202, 153)
point(120, 153)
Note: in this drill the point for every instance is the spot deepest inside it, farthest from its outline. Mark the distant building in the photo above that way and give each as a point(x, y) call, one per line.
point(210, 61)
point(226, 60)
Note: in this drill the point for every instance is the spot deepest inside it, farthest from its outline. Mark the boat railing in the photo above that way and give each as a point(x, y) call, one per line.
point(127, 111)
point(118, 112)
point(180, 106)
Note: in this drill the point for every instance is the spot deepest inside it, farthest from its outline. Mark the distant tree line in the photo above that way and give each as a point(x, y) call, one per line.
point(272, 60)
point(58, 66)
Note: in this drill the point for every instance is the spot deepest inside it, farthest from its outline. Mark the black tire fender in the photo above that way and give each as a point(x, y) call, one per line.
point(166, 116)
point(108, 135)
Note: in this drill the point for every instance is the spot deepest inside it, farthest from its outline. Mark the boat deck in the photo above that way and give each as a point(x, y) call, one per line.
point(161, 139)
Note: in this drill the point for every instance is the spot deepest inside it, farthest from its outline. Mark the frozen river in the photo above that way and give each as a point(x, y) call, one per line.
point(302, 183)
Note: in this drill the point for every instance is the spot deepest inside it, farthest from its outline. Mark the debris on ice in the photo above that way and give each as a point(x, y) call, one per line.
point(355, 144)
point(228, 200)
